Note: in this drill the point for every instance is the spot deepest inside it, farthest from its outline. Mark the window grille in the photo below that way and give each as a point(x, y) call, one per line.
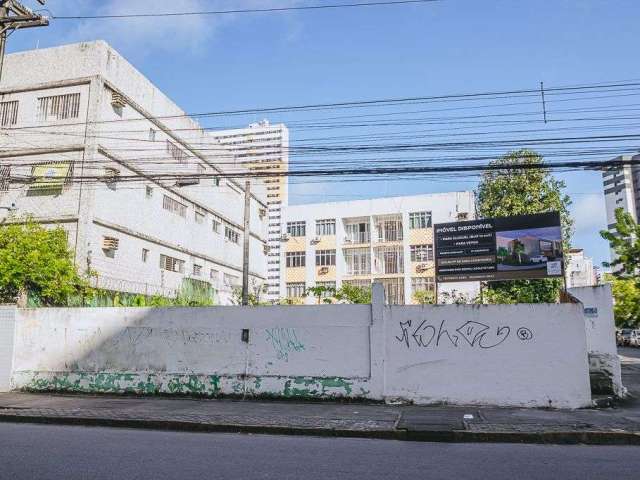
point(59, 107)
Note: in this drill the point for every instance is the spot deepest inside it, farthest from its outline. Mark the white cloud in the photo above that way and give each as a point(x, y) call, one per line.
point(188, 33)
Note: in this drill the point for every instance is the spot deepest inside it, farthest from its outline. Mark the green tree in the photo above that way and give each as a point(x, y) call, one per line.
point(625, 243)
point(322, 293)
point(352, 294)
point(626, 307)
point(36, 261)
point(522, 191)
point(424, 297)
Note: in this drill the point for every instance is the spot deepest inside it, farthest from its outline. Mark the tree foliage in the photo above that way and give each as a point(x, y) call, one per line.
point(36, 260)
point(524, 191)
point(626, 306)
point(625, 243)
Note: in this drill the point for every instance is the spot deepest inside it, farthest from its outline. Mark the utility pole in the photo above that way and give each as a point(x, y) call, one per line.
point(13, 16)
point(246, 238)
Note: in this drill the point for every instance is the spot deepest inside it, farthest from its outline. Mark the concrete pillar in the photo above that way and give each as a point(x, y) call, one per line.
point(377, 341)
point(7, 338)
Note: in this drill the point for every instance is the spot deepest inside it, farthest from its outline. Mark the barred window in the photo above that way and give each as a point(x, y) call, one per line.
point(145, 255)
point(420, 220)
point(200, 215)
point(295, 259)
point(5, 176)
point(295, 290)
point(176, 152)
point(421, 284)
point(231, 235)
point(59, 107)
point(330, 288)
point(197, 270)
point(230, 280)
point(297, 229)
point(8, 113)
point(216, 223)
point(171, 264)
point(326, 226)
point(358, 261)
point(421, 253)
point(325, 258)
point(174, 206)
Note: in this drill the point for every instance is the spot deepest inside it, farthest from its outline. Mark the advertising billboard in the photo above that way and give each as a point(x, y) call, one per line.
point(502, 248)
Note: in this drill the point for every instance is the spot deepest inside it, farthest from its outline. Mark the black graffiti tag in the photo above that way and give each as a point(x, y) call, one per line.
point(524, 334)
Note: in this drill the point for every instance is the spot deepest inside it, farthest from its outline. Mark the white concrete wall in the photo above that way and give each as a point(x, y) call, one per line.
point(7, 335)
point(604, 363)
point(522, 355)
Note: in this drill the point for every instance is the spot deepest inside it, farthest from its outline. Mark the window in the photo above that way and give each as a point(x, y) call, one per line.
point(325, 258)
point(296, 229)
point(216, 222)
point(295, 259)
point(422, 284)
point(176, 152)
point(145, 255)
point(171, 264)
point(330, 288)
point(358, 283)
point(174, 206)
point(213, 276)
point(152, 135)
point(59, 107)
point(148, 191)
point(420, 220)
point(358, 261)
point(389, 231)
point(197, 270)
point(5, 176)
point(231, 235)
point(200, 215)
point(295, 290)
point(216, 181)
point(357, 232)
point(421, 253)
point(8, 113)
point(388, 260)
point(230, 280)
point(326, 226)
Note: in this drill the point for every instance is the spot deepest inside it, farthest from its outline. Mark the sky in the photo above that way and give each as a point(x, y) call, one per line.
point(229, 62)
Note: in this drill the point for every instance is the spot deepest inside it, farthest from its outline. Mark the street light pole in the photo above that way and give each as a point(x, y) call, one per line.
point(246, 238)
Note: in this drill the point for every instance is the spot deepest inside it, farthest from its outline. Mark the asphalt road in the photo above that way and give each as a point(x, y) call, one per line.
point(70, 453)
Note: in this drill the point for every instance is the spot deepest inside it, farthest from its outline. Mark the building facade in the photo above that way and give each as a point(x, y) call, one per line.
point(264, 148)
point(88, 143)
point(579, 270)
point(622, 190)
point(388, 240)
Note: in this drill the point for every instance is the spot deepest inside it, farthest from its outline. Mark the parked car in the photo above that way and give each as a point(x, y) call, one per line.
point(625, 333)
point(634, 340)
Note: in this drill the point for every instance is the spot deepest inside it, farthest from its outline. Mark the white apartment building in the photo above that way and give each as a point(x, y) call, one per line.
point(579, 270)
point(91, 136)
point(622, 190)
point(264, 148)
point(389, 240)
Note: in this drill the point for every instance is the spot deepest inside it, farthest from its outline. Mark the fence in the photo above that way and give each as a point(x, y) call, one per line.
point(518, 355)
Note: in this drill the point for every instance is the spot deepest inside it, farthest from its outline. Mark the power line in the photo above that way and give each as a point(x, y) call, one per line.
point(248, 10)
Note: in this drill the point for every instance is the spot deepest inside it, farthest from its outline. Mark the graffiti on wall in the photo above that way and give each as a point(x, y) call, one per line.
point(284, 341)
point(427, 334)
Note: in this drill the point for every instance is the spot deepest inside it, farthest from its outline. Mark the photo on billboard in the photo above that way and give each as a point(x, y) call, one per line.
point(529, 252)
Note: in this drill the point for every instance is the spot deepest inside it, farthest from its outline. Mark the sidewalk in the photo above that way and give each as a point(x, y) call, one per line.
point(620, 425)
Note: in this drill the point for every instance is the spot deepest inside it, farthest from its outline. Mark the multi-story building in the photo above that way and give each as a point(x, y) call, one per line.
point(622, 190)
point(579, 270)
point(100, 151)
point(387, 240)
point(264, 148)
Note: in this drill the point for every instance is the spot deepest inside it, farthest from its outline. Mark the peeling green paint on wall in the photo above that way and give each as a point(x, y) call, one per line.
point(191, 384)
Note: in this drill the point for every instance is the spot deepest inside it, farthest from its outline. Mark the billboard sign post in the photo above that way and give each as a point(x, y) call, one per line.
point(502, 248)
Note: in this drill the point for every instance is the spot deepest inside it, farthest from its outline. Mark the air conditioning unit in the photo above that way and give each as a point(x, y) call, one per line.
point(284, 237)
point(262, 212)
point(315, 240)
point(265, 249)
point(463, 215)
point(347, 240)
point(421, 268)
point(117, 100)
point(323, 270)
point(110, 243)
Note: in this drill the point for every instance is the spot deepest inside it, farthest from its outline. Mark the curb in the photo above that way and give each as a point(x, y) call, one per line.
point(589, 437)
